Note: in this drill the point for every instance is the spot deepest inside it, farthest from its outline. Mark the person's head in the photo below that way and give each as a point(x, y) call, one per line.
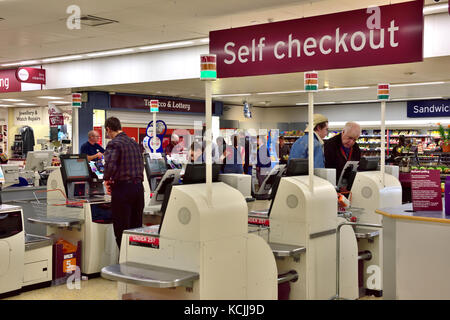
point(112, 127)
point(350, 134)
point(174, 139)
point(281, 140)
point(320, 124)
point(401, 141)
point(93, 137)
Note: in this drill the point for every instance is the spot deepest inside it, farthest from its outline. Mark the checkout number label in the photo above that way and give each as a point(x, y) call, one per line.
point(144, 241)
point(258, 221)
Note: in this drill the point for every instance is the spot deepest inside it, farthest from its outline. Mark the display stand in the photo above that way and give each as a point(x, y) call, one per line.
point(62, 262)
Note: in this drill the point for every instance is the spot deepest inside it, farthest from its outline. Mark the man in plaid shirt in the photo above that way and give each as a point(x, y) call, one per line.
point(123, 176)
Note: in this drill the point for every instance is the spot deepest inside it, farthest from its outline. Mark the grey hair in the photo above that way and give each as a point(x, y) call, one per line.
point(91, 133)
point(352, 126)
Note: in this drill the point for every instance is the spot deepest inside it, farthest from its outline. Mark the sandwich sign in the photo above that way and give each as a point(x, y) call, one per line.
point(428, 108)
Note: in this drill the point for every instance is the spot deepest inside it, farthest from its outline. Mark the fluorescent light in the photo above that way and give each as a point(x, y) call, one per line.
point(231, 95)
point(12, 100)
point(5, 105)
point(167, 45)
point(421, 98)
point(63, 58)
point(330, 102)
point(61, 102)
point(26, 104)
point(435, 9)
point(416, 84)
point(21, 63)
point(361, 101)
point(344, 88)
point(301, 104)
point(205, 40)
point(49, 98)
point(281, 92)
point(111, 52)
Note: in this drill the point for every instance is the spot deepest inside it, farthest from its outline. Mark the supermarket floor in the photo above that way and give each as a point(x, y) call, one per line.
point(93, 289)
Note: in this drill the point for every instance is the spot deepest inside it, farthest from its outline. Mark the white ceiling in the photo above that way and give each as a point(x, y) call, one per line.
point(40, 31)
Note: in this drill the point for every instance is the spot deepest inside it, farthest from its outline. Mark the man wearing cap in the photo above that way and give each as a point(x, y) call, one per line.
point(300, 147)
point(343, 147)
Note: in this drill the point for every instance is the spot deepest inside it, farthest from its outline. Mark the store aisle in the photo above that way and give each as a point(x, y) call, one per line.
point(93, 289)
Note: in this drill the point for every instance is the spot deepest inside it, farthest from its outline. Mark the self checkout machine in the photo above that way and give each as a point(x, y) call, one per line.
point(86, 215)
point(25, 259)
point(38, 166)
point(264, 194)
point(367, 195)
point(157, 178)
point(200, 250)
point(241, 182)
point(303, 231)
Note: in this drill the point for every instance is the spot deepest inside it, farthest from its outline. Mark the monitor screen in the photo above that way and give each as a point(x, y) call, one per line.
point(297, 167)
point(348, 175)
point(196, 173)
point(97, 168)
point(368, 164)
point(154, 167)
point(38, 160)
point(75, 168)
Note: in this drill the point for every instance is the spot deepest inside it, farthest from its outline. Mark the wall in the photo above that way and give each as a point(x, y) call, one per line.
point(41, 131)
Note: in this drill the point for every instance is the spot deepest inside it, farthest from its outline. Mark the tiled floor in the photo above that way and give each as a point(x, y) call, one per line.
point(93, 289)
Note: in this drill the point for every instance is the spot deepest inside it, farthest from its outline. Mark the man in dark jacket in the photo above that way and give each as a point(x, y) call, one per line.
point(342, 148)
point(123, 176)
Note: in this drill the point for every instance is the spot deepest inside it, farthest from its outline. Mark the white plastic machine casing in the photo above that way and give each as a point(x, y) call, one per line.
point(241, 182)
point(12, 252)
point(369, 194)
point(98, 244)
point(297, 215)
point(211, 241)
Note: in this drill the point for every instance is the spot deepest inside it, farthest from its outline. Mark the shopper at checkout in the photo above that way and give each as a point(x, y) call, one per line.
point(123, 176)
point(91, 148)
point(342, 148)
point(299, 149)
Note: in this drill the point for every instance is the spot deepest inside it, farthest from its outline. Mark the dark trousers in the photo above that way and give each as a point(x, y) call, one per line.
point(127, 202)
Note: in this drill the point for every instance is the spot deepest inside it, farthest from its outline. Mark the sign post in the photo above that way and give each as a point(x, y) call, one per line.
point(208, 73)
point(383, 96)
point(154, 108)
point(311, 85)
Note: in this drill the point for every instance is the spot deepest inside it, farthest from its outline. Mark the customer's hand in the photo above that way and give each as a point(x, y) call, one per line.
point(108, 184)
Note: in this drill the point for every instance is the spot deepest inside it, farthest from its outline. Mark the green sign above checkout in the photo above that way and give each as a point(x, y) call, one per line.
point(156, 109)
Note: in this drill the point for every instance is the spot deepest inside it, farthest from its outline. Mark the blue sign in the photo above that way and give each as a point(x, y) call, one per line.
point(428, 108)
point(161, 129)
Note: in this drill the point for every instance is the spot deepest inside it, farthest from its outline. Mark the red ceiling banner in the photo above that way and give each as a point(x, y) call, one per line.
point(11, 80)
point(375, 36)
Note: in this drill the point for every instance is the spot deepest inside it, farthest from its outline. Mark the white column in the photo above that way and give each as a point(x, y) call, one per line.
point(154, 132)
point(311, 141)
point(75, 131)
point(383, 140)
point(208, 120)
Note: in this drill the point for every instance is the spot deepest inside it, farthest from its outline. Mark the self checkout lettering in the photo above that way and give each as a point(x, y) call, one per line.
point(4, 83)
point(292, 47)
